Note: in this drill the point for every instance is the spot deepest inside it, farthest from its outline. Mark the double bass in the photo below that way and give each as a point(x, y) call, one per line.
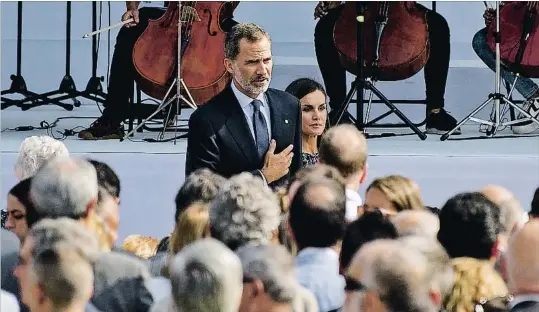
point(155, 54)
point(396, 42)
point(519, 33)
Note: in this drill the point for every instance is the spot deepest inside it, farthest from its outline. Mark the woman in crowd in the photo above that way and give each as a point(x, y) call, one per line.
point(21, 214)
point(312, 97)
point(393, 194)
point(193, 224)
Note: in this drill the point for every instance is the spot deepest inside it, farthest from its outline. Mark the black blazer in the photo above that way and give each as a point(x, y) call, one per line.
point(220, 139)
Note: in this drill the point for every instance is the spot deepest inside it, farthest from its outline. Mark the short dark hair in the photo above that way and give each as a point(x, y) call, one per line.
point(107, 179)
point(469, 226)
point(318, 222)
point(248, 31)
point(303, 86)
point(535, 204)
point(202, 185)
point(21, 191)
point(372, 225)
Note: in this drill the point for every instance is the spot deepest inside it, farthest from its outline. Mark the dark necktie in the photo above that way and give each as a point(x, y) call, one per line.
point(260, 128)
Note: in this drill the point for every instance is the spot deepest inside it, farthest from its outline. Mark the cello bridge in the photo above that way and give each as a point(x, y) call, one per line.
point(189, 14)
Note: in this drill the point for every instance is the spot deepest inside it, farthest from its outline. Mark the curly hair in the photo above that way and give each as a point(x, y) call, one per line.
point(474, 279)
point(244, 211)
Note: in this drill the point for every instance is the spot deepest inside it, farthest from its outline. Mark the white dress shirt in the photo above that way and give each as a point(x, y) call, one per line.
point(248, 109)
point(353, 201)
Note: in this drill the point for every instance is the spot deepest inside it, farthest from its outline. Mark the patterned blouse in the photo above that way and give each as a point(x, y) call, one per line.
point(308, 159)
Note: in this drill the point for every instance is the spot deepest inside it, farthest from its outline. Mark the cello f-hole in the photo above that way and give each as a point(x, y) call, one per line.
point(210, 32)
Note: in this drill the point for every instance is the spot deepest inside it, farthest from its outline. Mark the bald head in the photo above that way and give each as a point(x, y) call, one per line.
point(523, 259)
point(511, 213)
point(344, 148)
point(317, 214)
point(416, 222)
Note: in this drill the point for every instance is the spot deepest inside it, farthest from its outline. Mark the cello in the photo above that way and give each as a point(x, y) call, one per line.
point(519, 33)
point(396, 42)
point(155, 54)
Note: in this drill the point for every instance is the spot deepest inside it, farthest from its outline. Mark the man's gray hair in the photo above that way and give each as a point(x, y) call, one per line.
point(206, 276)
point(416, 222)
point(64, 187)
point(438, 261)
point(62, 260)
point(400, 276)
point(511, 215)
point(248, 31)
point(274, 266)
point(35, 152)
point(245, 210)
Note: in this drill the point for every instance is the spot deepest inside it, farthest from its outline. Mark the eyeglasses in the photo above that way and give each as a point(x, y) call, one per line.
point(494, 304)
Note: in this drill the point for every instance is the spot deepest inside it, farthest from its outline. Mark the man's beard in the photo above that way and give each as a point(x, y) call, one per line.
point(247, 85)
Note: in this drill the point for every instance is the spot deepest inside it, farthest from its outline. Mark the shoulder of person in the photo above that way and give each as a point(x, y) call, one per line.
point(282, 96)
point(116, 263)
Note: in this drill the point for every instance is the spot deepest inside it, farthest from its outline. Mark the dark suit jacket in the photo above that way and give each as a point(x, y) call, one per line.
point(220, 139)
point(526, 306)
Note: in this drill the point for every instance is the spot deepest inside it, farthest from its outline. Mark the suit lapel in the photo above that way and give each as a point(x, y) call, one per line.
point(238, 127)
point(277, 117)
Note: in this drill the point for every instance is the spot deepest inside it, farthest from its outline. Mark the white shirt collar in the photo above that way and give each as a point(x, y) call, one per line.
point(353, 201)
point(245, 100)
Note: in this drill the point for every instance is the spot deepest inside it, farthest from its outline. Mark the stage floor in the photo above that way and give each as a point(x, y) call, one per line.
point(151, 173)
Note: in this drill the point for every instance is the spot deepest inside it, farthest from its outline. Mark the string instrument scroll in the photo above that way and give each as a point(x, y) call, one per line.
point(396, 43)
point(155, 54)
point(519, 32)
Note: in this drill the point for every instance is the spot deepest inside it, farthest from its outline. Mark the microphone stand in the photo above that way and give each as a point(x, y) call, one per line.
point(18, 84)
point(497, 97)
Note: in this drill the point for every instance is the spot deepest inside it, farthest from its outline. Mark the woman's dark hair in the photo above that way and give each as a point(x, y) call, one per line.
point(303, 86)
point(22, 192)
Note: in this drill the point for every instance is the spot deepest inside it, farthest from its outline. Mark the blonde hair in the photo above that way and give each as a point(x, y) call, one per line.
point(474, 280)
point(402, 192)
point(193, 224)
point(142, 246)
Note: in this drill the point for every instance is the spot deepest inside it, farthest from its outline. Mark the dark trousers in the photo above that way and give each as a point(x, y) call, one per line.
point(122, 70)
point(334, 74)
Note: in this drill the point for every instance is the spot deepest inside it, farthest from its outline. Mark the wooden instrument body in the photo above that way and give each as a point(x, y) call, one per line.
point(512, 16)
point(404, 43)
point(155, 53)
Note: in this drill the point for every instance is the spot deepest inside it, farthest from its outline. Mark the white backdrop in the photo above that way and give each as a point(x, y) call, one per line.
point(290, 23)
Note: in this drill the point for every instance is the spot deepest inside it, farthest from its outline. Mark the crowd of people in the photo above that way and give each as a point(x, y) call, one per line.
point(314, 244)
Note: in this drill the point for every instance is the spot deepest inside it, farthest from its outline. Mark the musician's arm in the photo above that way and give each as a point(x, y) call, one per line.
point(132, 5)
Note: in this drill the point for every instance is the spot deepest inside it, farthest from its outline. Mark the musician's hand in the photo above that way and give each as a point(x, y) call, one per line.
point(323, 6)
point(277, 165)
point(489, 16)
point(131, 14)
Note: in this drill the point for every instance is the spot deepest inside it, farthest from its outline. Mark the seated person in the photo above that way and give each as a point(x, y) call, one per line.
point(312, 98)
point(436, 69)
point(122, 72)
point(524, 85)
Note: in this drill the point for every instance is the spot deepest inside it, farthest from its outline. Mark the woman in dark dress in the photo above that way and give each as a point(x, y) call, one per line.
point(313, 100)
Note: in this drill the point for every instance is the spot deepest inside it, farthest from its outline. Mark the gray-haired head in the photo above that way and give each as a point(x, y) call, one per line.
point(62, 261)
point(244, 211)
point(64, 187)
point(416, 222)
point(206, 276)
point(248, 31)
point(438, 261)
point(35, 152)
point(274, 266)
point(399, 275)
point(64, 231)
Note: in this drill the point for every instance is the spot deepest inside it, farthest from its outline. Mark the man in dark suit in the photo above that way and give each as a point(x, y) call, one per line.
point(248, 126)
